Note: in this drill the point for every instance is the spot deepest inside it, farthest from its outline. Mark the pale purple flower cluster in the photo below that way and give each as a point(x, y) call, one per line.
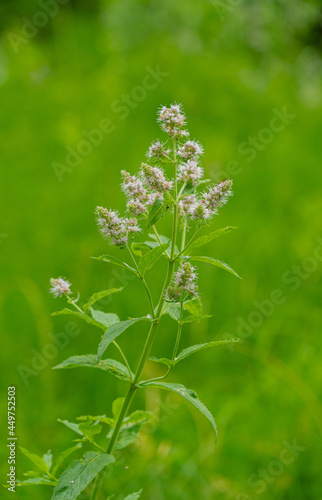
point(137, 188)
point(190, 172)
point(172, 120)
point(191, 150)
point(205, 207)
point(60, 286)
point(184, 285)
point(154, 177)
point(115, 227)
point(157, 151)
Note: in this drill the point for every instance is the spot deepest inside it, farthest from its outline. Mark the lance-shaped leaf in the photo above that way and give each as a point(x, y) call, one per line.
point(199, 242)
point(173, 310)
point(117, 262)
point(113, 332)
point(106, 319)
point(100, 295)
point(90, 429)
point(190, 319)
point(216, 262)
point(147, 261)
point(78, 314)
point(156, 212)
point(90, 361)
point(33, 481)
point(71, 425)
point(188, 394)
point(191, 350)
point(193, 306)
point(134, 496)
point(36, 459)
point(63, 456)
point(79, 474)
point(48, 459)
point(130, 428)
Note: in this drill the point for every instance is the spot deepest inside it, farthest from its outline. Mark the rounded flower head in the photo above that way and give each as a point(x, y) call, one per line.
point(191, 150)
point(218, 195)
point(186, 203)
point(132, 185)
point(172, 120)
point(190, 172)
point(60, 286)
point(184, 286)
point(115, 227)
point(154, 177)
point(157, 151)
point(199, 212)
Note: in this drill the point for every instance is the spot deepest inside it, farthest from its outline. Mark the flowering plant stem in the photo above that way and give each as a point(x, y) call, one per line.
point(152, 331)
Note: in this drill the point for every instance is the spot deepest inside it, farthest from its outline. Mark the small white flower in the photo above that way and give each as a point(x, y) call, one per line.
point(190, 150)
point(218, 195)
point(154, 177)
point(184, 286)
point(60, 286)
point(190, 172)
point(157, 151)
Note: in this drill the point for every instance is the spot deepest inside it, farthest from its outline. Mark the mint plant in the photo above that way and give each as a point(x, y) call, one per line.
point(170, 185)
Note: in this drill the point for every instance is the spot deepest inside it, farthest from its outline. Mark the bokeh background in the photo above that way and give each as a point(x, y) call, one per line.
point(234, 65)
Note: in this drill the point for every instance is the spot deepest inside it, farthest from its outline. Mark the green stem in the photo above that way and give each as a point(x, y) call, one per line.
point(150, 338)
point(159, 240)
point(146, 286)
point(175, 350)
point(188, 245)
point(124, 358)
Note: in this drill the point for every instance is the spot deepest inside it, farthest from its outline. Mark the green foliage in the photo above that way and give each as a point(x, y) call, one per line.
point(187, 394)
point(106, 319)
point(151, 257)
point(100, 295)
point(216, 262)
point(207, 238)
point(36, 459)
point(134, 496)
point(90, 361)
point(113, 260)
point(78, 314)
point(156, 212)
point(113, 332)
point(79, 474)
point(62, 457)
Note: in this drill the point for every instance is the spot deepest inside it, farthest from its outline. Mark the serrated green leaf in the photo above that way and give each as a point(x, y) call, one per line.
point(113, 332)
point(134, 496)
point(189, 395)
point(163, 361)
point(36, 459)
point(105, 319)
point(137, 417)
point(71, 425)
point(33, 481)
point(117, 262)
point(100, 295)
point(78, 314)
point(117, 407)
point(90, 429)
point(156, 212)
point(126, 437)
point(173, 310)
point(63, 456)
point(138, 248)
point(199, 347)
point(147, 260)
point(90, 361)
point(199, 242)
point(190, 319)
point(48, 459)
point(79, 474)
point(193, 306)
point(215, 262)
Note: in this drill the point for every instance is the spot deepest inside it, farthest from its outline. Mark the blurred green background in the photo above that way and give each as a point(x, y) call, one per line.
point(234, 65)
